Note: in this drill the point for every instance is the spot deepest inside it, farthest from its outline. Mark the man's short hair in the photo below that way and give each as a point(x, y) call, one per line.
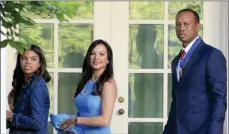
point(196, 15)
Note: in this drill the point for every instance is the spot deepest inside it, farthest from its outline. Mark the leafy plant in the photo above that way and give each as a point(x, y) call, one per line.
point(15, 13)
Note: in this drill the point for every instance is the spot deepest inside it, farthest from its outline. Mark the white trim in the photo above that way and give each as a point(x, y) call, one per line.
point(156, 120)
point(56, 62)
point(146, 21)
point(65, 70)
point(165, 77)
point(119, 43)
point(3, 90)
point(146, 71)
point(166, 21)
point(55, 95)
point(55, 44)
point(57, 21)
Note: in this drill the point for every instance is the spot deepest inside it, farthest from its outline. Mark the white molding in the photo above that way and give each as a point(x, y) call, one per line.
point(119, 17)
point(3, 90)
point(57, 21)
point(65, 70)
point(149, 71)
point(165, 76)
point(156, 120)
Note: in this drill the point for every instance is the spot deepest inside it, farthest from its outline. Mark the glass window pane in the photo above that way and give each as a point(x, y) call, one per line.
point(145, 95)
point(146, 43)
point(174, 7)
point(42, 35)
point(145, 128)
point(82, 9)
point(146, 10)
point(51, 93)
point(174, 44)
point(66, 91)
point(74, 40)
point(50, 128)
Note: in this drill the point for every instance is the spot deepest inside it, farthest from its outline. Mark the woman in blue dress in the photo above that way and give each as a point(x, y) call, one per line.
point(95, 94)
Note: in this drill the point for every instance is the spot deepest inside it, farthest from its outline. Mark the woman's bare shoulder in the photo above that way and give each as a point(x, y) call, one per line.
point(110, 82)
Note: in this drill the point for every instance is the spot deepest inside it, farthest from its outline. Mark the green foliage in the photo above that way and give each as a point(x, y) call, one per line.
point(146, 10)
point(16, 13)
point(175, 6)
point(42, 35)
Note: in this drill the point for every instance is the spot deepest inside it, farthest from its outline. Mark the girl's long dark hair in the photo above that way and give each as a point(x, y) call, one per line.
point(87, 69)
point(18, 76)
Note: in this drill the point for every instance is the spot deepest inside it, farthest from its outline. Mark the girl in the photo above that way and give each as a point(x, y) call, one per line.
point(31, 96)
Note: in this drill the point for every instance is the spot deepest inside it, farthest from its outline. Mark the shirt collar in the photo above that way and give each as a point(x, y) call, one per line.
point(29, 81)
point(186, 49)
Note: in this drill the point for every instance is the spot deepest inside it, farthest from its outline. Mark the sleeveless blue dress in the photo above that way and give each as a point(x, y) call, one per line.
point(89, 105)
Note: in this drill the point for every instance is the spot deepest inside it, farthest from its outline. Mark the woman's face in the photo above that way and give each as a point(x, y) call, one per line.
point(29, 62)
point(99, 58)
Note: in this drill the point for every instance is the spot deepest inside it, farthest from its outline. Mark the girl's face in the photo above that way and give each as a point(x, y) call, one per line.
point(99, 58)
point(29, 63)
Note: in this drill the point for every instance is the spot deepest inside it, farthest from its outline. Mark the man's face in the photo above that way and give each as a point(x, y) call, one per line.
point(186, 27)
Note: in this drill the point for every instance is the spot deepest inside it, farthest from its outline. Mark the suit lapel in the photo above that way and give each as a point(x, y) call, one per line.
point(191, 60)
point(174, 72)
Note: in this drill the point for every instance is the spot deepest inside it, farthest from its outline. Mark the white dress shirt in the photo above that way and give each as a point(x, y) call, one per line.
point(186, 49)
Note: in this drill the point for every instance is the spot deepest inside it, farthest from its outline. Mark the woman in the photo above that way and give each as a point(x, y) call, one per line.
point(96, 92)
point(31, 96)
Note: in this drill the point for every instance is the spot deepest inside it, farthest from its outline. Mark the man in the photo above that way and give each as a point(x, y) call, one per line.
point(199, 82)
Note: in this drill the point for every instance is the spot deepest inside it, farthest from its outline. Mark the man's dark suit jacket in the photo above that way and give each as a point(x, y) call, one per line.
point(200, 96)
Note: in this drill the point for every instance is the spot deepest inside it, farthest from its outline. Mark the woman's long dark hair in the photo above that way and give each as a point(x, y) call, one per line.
point(18, 76)
point(87, 69)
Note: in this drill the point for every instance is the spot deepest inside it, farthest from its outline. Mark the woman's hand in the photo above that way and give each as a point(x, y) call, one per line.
point(9, 115)
point(68, 124)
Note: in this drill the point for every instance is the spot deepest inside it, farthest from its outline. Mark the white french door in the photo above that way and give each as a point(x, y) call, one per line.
point(143, 40)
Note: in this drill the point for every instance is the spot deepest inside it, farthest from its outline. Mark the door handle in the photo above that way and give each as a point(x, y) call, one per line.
point(121, 111)
point(120, 99)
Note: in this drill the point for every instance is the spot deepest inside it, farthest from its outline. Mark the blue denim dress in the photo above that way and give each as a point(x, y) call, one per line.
point(31, 108)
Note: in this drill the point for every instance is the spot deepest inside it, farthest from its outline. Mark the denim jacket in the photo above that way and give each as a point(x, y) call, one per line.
point(31, 108)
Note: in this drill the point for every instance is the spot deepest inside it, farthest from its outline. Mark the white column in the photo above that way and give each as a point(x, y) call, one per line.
point(216, 31)
point(8, 61)
point(216, 25)
point(3, 88)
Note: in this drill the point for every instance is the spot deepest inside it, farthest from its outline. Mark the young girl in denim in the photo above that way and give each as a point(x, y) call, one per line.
point(31, 96)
